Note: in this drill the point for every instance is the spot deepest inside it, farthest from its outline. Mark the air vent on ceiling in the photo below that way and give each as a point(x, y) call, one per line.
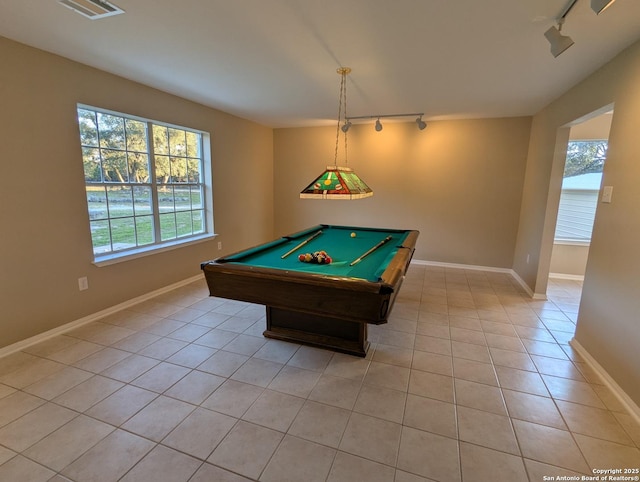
point(92, 9)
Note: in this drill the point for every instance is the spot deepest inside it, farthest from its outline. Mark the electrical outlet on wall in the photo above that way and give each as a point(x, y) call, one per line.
point(219, 245)
point(83, 283)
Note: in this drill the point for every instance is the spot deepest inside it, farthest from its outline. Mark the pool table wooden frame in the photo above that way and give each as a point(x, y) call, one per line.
point(308, 308)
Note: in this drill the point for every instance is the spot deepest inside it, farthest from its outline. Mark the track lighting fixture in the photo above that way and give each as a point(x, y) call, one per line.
point(378, 126)
point(560, 43)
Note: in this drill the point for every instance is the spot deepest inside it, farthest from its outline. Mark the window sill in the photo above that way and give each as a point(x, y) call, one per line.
point(572, 242)
point(120, 257)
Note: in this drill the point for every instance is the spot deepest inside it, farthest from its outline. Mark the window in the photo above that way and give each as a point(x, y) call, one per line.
point(580, 190)
point(146, 183)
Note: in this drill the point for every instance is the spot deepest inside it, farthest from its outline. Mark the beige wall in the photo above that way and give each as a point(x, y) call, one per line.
point(569, 259)
point(45, 245)
point(596, 128)
point(608, 323)
point(458, 182)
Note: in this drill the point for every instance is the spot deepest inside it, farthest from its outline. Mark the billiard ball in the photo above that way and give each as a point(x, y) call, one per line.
point(301, 257)
point(353, 235)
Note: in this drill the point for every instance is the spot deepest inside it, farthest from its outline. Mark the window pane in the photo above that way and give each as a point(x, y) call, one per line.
point(111, 131)
point(114, 166)
point(120, 201)
point(165, 200)
point(177, 142)
point(193, 170)
point(163, 171)
point(160, 140)
point(136, 135)
point(142, 200)
point(144, 230)
point(584, 157)
point(123, 233)
point(138, 167)
point(183, 221)
point(197, 221)
point(182, 196)
point(178, 169)
point(88, 128)
point(100, 236)
point(97, 202)
point(91, 163)
point(193, 144)
point(196, 197)
point(167, 226)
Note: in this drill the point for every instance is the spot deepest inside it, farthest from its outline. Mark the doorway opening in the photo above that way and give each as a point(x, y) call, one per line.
point(582, 179)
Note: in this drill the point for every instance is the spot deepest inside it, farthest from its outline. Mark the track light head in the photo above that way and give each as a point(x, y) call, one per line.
point(600, 6)
point(421, 124)
point(345, 127)
point(559, 43)
point(378, 126)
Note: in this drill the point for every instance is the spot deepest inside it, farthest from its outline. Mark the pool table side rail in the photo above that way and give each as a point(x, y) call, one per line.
point(351, 298)
point(400, 263)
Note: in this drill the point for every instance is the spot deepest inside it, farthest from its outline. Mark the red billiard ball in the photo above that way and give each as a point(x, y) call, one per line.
point(327, 260)
point(301, 258)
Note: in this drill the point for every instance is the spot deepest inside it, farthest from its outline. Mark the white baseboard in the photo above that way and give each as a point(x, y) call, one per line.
point(21, 345)
point(619, 393)
point(527, 288)
point(492, 269)
point(575, 277)
point(461, 266)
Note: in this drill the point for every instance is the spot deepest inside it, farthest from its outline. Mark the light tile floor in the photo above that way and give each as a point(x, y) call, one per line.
point(470, 380)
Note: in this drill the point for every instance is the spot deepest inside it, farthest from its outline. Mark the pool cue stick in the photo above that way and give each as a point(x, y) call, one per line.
point(384, 241)
point(301, 244)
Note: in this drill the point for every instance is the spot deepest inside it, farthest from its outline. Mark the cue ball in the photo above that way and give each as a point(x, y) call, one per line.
point(353, 235)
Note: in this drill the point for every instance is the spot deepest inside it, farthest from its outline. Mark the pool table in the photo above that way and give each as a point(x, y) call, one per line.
point(325, 305)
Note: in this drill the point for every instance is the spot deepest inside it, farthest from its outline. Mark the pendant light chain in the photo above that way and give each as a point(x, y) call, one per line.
point(343, 71)
point(344, 77)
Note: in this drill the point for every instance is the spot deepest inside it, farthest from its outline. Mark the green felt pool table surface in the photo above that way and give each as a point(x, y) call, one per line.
point(339, 245)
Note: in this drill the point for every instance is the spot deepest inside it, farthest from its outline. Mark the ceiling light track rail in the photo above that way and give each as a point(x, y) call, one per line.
point(381, 116)
point(378, 126)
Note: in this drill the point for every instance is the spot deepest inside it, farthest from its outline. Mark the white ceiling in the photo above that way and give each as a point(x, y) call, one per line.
point(275, 61)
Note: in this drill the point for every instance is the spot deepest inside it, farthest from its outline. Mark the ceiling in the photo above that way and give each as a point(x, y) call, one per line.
point(274, 61)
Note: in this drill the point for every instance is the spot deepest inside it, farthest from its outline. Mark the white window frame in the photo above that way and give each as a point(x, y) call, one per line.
point(157, 246)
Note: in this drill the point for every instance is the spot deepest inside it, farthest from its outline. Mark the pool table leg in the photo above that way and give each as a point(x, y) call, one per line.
point(336, 334)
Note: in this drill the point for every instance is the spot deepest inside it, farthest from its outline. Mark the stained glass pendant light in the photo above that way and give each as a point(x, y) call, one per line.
point(338, 182)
